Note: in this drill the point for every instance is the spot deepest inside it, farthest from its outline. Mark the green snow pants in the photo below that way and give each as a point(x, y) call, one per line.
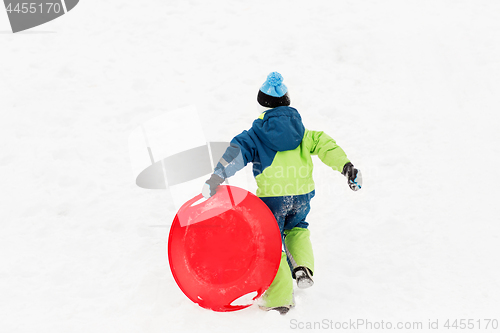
point(290, 213)
point(298, 249)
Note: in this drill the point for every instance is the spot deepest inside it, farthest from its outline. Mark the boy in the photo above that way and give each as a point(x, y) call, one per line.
point(280, 149)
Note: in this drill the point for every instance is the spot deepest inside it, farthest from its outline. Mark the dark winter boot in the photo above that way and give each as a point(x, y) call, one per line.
point(283, 310)
point(303, 277)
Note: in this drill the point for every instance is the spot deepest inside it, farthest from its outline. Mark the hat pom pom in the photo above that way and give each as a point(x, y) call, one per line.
point(274, 79)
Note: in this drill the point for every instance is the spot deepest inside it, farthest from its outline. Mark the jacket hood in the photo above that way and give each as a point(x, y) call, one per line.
point(281, 128)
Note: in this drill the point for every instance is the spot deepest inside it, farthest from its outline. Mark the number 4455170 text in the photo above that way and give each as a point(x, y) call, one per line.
point(27, 7)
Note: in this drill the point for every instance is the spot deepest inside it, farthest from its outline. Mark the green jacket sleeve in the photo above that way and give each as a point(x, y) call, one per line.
point(321, 144)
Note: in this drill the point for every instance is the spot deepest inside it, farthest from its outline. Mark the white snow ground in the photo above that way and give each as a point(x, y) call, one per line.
point(410, 89)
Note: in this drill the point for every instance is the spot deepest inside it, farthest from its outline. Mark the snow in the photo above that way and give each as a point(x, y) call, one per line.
point(409, 89)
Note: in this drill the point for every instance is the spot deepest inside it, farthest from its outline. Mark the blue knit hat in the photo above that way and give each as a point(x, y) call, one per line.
point(273, 92)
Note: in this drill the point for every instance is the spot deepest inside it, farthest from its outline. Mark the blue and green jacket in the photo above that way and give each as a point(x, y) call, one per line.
point(280, 148)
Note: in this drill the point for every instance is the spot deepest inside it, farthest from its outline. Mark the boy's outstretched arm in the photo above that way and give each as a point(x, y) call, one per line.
point(240, 152)
point(331, 154)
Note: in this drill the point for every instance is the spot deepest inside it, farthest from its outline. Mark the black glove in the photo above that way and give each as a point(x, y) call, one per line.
point(354, 178)
point(210, 186)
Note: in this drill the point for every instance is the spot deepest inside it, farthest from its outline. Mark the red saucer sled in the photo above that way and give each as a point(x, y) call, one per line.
point(224, 252)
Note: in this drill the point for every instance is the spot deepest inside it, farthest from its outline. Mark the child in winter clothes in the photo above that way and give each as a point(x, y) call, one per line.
point(280, 148)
